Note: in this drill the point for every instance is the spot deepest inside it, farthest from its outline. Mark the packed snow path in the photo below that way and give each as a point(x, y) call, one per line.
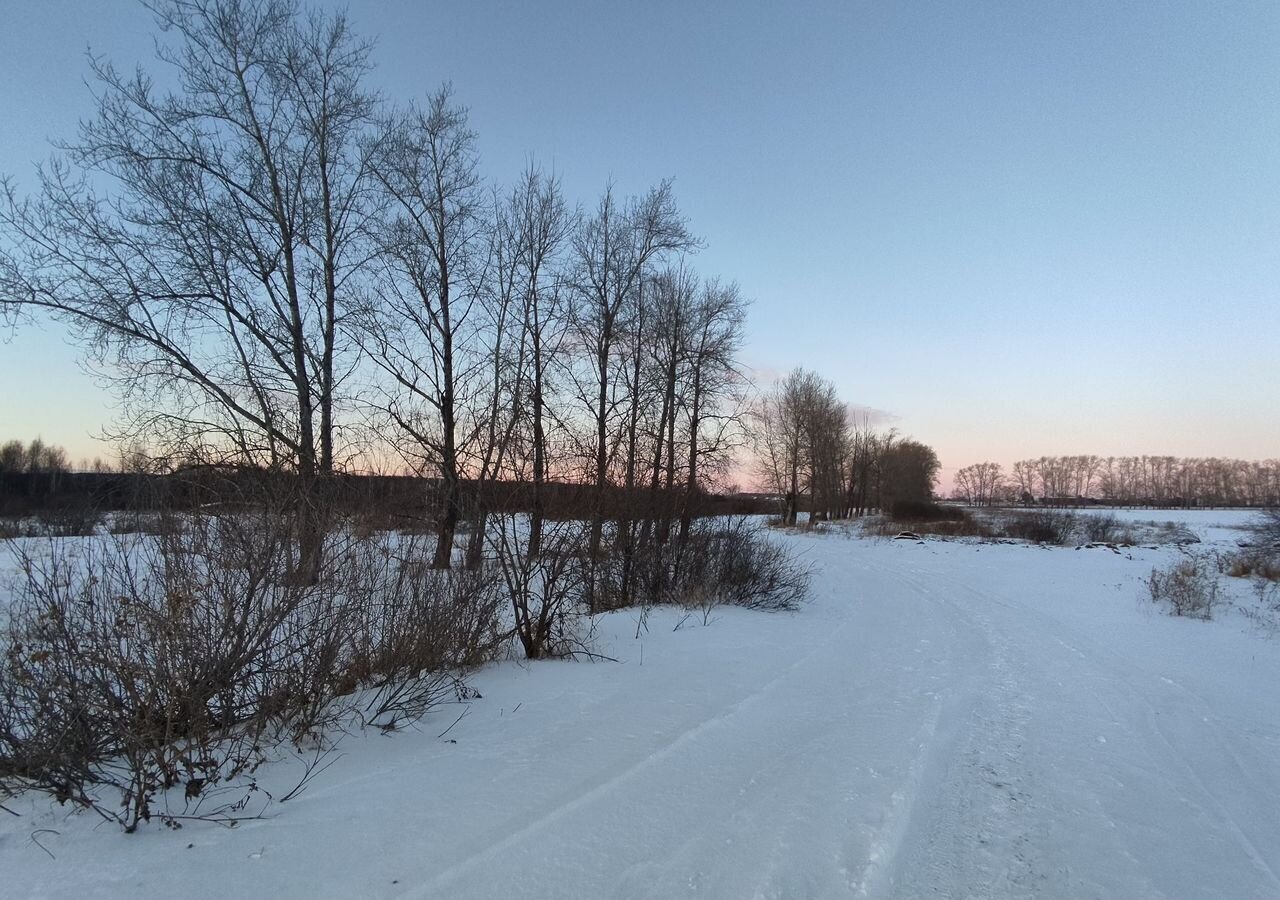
point(943, 720)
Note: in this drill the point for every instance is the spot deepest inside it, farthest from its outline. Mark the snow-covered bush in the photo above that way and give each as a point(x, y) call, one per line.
point(1188, 587)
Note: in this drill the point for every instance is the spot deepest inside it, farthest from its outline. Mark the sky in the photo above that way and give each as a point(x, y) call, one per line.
point(1015, 229)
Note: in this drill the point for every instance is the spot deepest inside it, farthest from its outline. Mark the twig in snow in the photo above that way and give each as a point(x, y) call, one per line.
point(313, 768)
point(592, 655)
point(40, 845)
point(455, 722)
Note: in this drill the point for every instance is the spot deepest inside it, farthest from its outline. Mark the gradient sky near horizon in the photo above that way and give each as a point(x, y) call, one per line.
point(1013, 229)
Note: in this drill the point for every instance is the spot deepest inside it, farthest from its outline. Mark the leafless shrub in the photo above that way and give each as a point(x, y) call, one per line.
point(734, 563)
point(131, 666)
point(1251, 563)
point(414, 629)
point(141, 522)
point(925, 511)
point(1176, 533)
point(65, 520)
point(702, 599)
point(545, 589)
point(1187, 588)
point(950, 525)
point(1041, 527)
point(134, 665)
point(1106, 528)
point(1268, 528)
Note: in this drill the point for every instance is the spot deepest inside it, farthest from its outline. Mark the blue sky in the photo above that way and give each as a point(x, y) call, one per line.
point(1020, 228)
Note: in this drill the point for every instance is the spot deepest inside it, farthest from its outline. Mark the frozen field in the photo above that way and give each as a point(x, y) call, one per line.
point(942, 720)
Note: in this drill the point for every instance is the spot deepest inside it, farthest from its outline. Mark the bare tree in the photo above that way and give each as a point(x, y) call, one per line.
point(979, 484)
point(674, 297)
point(538, 224)
point(199, 242)
point(800, 442)
point(910, 470)
point(713, 402)
point(613, 250)
point(779, 438)
point(419, 328)
point(1024, 474)
point(826, 440)
point(506, 348)
point(867, 447)
point(13, 457)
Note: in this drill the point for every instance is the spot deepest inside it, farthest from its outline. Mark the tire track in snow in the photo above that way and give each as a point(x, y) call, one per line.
point(810, 783)
point(968, 834)
point(1125, 678)
point(1030, 640)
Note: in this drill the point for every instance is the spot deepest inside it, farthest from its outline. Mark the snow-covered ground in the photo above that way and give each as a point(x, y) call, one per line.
point(944, 719)
point(1221, 525)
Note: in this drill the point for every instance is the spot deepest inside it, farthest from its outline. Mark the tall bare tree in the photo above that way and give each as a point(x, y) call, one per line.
point(539, 224)
point(613, 250)
point(713, 401)
point(418, 327)
point(800, 427)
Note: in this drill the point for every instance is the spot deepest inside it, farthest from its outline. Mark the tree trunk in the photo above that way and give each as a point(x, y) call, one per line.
point(475, 544)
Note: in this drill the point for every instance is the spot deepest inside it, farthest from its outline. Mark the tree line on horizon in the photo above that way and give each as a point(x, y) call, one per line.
point(1123, 481)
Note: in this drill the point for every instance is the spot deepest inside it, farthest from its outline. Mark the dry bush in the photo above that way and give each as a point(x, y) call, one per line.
point(718, 561)
point(142, 522)
point(72, 519)
point(733, 562)
point(134, 665)
point(1252, 563)
point(925, 511)
point(1175, 533)
point(965, 525)
point(1106, 528)
point(138, 667)
point(1260, 558)
point(61, 521)
point(1268, 528)
point(413, 629)
point(545, 591)
point(1189, 587)
point(1040, 527)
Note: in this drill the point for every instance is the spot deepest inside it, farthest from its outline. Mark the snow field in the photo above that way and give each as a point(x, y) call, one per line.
point(943, 719)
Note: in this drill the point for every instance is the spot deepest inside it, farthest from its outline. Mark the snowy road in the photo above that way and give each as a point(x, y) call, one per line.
point(943, 720)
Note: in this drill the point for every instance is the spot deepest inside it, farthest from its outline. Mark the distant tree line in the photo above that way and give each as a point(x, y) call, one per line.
point(33, 458)
point(1123, 481)
point(817, 456)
